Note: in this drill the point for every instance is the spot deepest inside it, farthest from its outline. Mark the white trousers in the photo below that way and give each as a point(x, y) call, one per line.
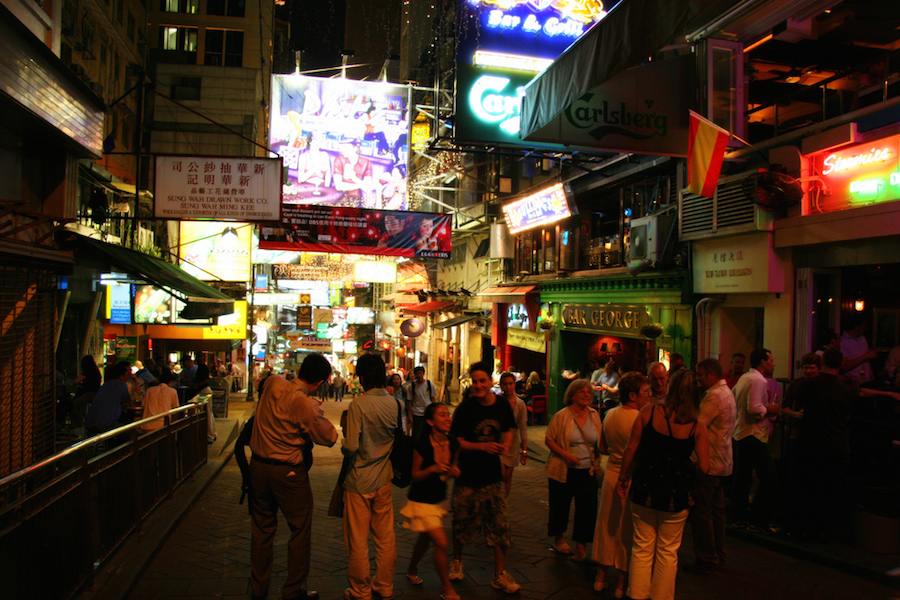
point(654, 553)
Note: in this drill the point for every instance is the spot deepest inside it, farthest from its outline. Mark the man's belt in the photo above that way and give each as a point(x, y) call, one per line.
point(274, 463)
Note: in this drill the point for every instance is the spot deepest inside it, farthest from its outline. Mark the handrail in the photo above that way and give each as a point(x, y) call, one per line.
point(189, 405)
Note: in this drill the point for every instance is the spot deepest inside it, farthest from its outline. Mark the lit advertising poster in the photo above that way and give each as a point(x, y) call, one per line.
point(859, 175)
point(543, 208)
point(152, 305)
point(342, 142)
point(502, 45)
point(216, 251)
point(210, 187)
point(118, 303)
point(229, 327)
point(360, 231)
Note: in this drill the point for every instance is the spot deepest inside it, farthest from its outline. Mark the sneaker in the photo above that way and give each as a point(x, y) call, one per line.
point(456, 571)
point(505, 582)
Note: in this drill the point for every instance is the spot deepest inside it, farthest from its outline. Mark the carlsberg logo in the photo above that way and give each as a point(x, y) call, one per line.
point(605, 118)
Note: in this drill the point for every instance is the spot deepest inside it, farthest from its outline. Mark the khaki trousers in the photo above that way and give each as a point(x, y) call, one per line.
point(364, 513)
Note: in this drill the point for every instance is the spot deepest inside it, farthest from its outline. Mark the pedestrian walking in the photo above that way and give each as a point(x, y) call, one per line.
point(426, 505)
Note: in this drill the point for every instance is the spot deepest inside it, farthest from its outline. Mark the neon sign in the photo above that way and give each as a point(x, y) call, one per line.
point(543, 208)
point(834, 163)
point(859, 175)
point(490, 105)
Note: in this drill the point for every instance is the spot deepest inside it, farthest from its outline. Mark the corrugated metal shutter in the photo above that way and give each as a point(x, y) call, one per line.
point(27, 373)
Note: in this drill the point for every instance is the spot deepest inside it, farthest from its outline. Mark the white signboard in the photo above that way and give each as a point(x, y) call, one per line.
point(207, 187)
point(743, 263)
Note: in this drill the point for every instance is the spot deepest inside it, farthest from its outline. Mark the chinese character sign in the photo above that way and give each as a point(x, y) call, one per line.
point(204, 187)
point(342, 142)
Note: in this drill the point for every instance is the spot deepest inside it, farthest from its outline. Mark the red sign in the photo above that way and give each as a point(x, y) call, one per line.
point(859, 175)
point(360, 231)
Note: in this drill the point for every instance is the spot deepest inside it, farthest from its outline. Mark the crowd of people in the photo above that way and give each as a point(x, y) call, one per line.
point(676, 441)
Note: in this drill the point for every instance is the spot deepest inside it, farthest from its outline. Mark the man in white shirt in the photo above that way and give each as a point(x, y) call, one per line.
point(751, 443)
point(368, 441)
point(717, 412)
point(855, 349)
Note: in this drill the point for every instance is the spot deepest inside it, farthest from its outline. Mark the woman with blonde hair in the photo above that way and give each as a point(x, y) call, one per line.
point(533, 387)
point(573, 438)
point(657, 464)
point(612, 536)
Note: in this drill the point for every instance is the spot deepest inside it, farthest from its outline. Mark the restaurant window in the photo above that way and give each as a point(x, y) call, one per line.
point(190, 7)
point(227, 8)
point(224, 48)
point(178, 38)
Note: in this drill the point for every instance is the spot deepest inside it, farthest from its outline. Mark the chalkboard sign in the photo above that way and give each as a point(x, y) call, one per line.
point(220, 403)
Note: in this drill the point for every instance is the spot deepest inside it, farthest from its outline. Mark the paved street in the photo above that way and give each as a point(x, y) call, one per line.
point(208, 554)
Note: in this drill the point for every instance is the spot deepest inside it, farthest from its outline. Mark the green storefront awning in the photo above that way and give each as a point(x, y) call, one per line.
point(202, 300)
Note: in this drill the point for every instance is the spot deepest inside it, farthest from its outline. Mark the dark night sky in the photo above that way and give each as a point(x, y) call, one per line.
point(317, 29)
point(323, 28)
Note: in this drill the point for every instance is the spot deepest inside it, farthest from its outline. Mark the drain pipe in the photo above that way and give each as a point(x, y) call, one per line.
point(704, 327)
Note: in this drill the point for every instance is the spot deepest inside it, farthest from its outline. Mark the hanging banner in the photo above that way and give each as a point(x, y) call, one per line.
point(529, 340)
point(360, 231)
point(215, 187)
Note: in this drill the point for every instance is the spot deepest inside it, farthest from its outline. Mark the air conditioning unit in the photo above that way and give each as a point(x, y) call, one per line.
point(648, 237)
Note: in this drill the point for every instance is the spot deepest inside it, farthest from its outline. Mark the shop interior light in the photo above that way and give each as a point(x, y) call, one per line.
point(859, 305)
point(617, 347)
point(518, 62)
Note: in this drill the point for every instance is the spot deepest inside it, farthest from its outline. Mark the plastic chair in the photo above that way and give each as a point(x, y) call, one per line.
point(538, 409)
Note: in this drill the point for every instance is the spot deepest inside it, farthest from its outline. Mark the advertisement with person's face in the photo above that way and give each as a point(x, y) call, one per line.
point(342, 142)
point(360, 231)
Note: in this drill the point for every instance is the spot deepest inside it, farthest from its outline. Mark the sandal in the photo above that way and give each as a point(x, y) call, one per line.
point(414, 579)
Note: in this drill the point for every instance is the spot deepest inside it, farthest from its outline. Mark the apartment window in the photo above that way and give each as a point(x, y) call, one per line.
point(120, 11)
point(228, 8)
point(131, 26)
point(178, 38)
point(190, 7)
point(224, 48)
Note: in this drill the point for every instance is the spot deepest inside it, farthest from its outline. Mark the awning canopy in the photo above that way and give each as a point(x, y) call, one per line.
point(454, 321)
point(427, 307)
point(632, 31)
point(203, 301)
point(507, 294)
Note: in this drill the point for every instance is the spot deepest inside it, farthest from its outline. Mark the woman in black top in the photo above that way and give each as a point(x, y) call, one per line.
point(659, 454)
point(426, 505)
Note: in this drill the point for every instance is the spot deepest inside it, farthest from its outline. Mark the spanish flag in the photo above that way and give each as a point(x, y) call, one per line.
point(706, 149)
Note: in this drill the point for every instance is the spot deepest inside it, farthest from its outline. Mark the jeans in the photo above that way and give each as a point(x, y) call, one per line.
point(708, 519)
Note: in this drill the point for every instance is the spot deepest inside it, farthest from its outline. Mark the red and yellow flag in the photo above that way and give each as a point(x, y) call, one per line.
point(706, 149)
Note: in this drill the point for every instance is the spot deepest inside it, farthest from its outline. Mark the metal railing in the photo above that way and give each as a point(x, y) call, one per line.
point(64, 516)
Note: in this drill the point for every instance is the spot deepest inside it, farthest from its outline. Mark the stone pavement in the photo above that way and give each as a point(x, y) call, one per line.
point(207, 552)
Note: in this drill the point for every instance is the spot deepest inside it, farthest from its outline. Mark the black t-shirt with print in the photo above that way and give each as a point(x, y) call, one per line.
point(475, 422)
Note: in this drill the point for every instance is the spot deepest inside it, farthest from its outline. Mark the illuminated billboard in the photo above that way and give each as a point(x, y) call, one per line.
point(342, 142)
point(360, 231)
point(215, 250)
point(501, 46)
point(543, 208)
